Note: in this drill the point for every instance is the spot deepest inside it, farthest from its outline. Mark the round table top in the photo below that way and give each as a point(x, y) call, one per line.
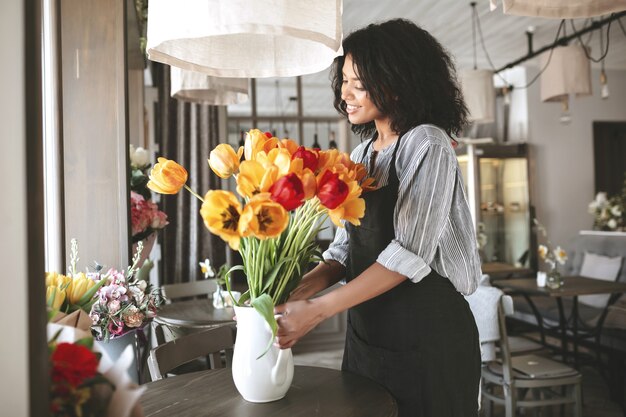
point(197, 312)
point(314, 392)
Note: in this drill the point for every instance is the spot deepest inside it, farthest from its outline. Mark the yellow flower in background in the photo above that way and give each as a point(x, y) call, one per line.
point(224, 161)
point(253, 178)
point(221, 211)
point(55, 279)
point(560, 255)
point(79, 285)
point(543, 251)
point(167, 177)
point(55, 297)
point(263, 218)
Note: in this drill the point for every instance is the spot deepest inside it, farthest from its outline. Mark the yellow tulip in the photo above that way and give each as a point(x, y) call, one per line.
point(79, 285)
point(253, 178)
point(254, 143)
point(51, 278)
point(55, 297)
point(221, 211)
point(224, 161)
point(58, 280)
point(167, 177)
point(278, 157)
point(263, 218)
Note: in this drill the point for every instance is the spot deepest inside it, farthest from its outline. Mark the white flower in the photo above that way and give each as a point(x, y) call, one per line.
point(207, 269)
point(139, 156)
point(543, 251)
point(616, 211)
point(612, 224)
point(560, 255)
point(601, 198)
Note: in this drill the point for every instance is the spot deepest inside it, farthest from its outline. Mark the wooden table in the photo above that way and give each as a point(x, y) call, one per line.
point(573, 286)
point(314, 392)
point(501, 270)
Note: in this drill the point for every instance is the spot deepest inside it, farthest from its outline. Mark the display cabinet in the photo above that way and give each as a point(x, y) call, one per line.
point(502, 206)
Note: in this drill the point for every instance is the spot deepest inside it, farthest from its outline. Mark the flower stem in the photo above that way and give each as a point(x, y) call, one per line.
point(198, 196)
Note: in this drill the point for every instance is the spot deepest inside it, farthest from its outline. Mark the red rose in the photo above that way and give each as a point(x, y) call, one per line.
point(288, 191)
point(309, 159)
point(331, 190)
point(269, 135)
point(73, 364)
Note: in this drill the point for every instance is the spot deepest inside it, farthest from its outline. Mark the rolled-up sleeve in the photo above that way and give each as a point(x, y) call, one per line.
point(338, 249)
point(427, 181)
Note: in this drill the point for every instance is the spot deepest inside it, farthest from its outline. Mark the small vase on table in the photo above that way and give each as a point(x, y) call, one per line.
point(554, 280)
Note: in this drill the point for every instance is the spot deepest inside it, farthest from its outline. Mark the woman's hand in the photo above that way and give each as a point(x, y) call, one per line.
point(297, 318)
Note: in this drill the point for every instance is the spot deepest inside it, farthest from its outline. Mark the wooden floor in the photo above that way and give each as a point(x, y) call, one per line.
point(596, 401)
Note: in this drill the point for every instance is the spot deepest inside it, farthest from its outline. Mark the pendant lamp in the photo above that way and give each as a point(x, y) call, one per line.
point(569, 72)
point(201, 88)
point(560, 9)
point(245, 39)
point(479, 94)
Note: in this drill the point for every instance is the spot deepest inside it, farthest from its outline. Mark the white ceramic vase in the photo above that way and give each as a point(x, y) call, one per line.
point(259, 379)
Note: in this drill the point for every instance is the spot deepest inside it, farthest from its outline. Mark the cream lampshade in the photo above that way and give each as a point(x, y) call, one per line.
point(245, 39)
point(560, 9)
point(479, 94)
point(569, 72)
point(201, 88)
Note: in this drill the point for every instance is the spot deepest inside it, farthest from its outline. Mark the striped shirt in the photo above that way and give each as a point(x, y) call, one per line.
point(432, 221)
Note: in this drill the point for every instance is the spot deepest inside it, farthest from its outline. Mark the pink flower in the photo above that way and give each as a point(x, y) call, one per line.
point(115, 328)
point(114, 306)
point(133, 317)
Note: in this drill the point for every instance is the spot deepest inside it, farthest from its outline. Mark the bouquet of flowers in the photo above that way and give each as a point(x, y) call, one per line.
point(609, 213)
point(288, 191)
point(116, 301)
point(546, 253)
point(146, 218)
point(83, 382)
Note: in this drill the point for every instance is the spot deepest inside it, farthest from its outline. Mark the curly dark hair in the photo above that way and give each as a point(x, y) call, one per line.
point(408, 75)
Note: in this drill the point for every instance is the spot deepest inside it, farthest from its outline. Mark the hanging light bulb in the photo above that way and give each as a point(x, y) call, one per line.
point(604, 84)
point(565, 117)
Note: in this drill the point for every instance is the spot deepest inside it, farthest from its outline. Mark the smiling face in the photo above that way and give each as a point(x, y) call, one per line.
point(359, 107)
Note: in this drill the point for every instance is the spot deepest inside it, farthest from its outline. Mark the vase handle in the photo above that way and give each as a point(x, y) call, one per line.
point(279, 371)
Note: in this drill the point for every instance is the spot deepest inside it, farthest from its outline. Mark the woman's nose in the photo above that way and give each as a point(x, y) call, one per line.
point(345, 93)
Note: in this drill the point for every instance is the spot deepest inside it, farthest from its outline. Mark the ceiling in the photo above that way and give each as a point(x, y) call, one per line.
point(450, 22)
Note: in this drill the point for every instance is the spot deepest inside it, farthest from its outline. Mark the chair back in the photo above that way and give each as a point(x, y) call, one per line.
point(188, 289)
point(505, 349)
point(210, 343)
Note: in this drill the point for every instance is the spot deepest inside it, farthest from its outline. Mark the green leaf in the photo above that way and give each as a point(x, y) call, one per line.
point(227, 278)
point(85, 341)
point(273, 273)
point(244, 297)
point(265, 307)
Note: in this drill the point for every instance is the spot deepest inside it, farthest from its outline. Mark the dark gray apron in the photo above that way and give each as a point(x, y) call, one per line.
point(417, 340)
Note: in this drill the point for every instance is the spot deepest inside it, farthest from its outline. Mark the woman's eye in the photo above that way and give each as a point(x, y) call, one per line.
point(358, 87)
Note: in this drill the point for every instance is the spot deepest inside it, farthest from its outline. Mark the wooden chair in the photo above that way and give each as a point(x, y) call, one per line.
point(211, 343)
point(173, 292)
point(503, 384)
point(164, 331)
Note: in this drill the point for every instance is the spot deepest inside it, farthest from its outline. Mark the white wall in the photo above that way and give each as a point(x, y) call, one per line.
point(13, 246)
point(564, 161)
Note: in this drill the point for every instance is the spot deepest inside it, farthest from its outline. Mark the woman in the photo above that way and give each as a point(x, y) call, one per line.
point(414, 255)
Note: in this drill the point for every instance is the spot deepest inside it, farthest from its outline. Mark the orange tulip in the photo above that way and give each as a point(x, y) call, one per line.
point(253, 178)
point(224, 161)
point(167, 177)
point(221, 211)
point(263, 218)
point(352, 209)
point(278, 157)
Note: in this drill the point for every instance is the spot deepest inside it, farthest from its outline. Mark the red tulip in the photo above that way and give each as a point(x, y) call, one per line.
point(288, 191)
point(331, 190)
point(309, 159)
